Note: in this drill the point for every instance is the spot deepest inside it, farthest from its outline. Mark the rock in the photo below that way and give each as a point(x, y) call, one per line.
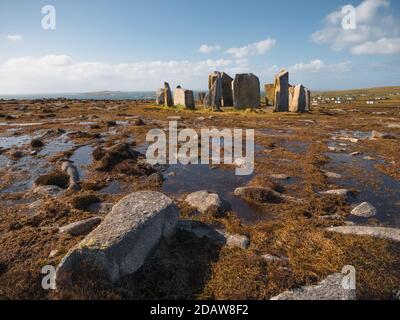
point(36, 143)
point(214, 97)
point(263, 195)
point(246, 91)
point(201, 96)
point(225, 95)
point(184, 98)
point(204, 201)
point(121, 243)
point(51, 191)
point(380, 135)
point(258, 194)
point(73, 174)
point(279, 177)
point(281, 91)
point(36, 205)
point(155, 178)
point(338, 192)
point(365, 210)
point(297, 99)
point(168, 102)
point(81, 227)
point(53, 253)
point(272, 258)
point(56, 178)
point(269, 94)
point(333, 175)
point(160, 97)
point(356, 153)
point(377, 232)
point(217, 236)
point(329, 289)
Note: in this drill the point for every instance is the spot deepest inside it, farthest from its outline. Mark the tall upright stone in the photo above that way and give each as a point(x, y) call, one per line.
point(168, 102)
point(269, 94)
point(201, 96)
point(160, 96)
point(184, 98)
point(226, 87)
point(297, 99)
point(246, 91)
point(308, 100)
point(215, 94)
point(281, 91)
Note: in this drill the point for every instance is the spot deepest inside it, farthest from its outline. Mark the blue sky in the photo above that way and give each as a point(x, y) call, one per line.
point(136, 45)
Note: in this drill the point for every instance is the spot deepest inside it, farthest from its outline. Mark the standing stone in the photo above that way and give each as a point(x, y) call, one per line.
point(246, 91)
point(160, 97)
point(121, 243)
point(308, 100)
point(281, 91)
point(201, 95)
point(297, 98)
point(184, 97)
point(226, 87)
point(168, 102)
point(215, 94)
point(269, 94)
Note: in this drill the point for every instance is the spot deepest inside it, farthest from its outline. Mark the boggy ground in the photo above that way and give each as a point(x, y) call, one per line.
point(184, 267)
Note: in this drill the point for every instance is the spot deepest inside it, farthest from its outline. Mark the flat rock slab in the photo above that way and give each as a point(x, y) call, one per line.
point(121, 243)
point(80, 227)
point(217, 236)
point(329, 289)
point(377, 232)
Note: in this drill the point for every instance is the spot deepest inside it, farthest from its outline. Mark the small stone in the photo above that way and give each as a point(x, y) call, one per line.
point(53, 253)
point(338, 192)
point(81, 227)
point(279, 176)
point(272, 258)
point(365, 210)
point(204, 201)
point(333, 175)
point(354, 154)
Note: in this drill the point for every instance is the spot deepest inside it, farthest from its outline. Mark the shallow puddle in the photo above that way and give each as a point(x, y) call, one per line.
point(81, 158)
point(191, 178)
point(14, 142)
point(381, 190)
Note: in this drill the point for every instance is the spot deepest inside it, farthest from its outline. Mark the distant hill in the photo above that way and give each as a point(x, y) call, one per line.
point(379, 91)
point(103, 93)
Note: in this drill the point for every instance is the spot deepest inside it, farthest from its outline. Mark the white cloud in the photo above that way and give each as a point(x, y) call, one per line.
point(253, 49)
point(383, 46)
point(59, 73)
point(318, 65)
point(204, 48)
point(374, 24)
point(14, 38)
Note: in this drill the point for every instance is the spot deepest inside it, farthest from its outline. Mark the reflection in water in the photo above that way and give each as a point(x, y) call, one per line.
point(382, 191)
point(191, 178)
